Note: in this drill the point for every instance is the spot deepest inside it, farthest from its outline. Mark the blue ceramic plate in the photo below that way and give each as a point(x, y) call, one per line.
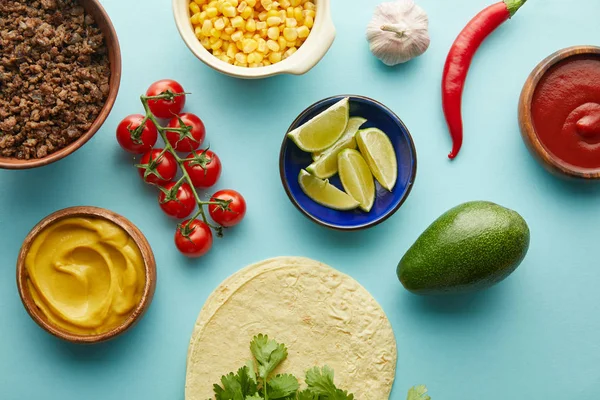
point(292, 160)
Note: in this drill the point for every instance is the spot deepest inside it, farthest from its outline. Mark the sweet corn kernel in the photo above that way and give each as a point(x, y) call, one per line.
point(309, 6)
point(241, 58)
point(272, 13)
point(290, 34)
point(206, 27)
point(273, 21)
point(298, 16)
point(262, 16)
point(285, 4)
point(303, 32)
point(195, 18)
point(200, 2)
point(262, 45)
point(251, 3)
point(215, 33)
point(289, 12)
point(237, 22)
point(273, 33)
point(211, 12)
point(239, 45)
point(250, 25)
point(217, 44)
point(242, 6)
point(219, 24)
point(250, 45)
point(253, 65)
point(238, 35)
point(194, 8)
point(273, 45)
point(198, 32)
point(233, 2)
point(247, 13)
point(282, 42)
point(266, 63)
point(229, 30)
point(229, 10)
point(231, 50)
point(289, 52)
point(261, 25)
point(309, 21)
point(216, 52)
point(296, 3)
point(274, 57)
point(291, 22)
point(266, 4)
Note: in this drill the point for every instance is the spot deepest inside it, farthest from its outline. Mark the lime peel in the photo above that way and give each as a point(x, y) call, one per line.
point(324, 193)
point(379, 153)
point(323, 130)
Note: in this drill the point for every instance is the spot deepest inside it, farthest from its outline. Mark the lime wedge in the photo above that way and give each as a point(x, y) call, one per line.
point(326, 164)
point(379, 153)
point(323, 130)
point(353, 126)
point(325, 193)
point(356, 178)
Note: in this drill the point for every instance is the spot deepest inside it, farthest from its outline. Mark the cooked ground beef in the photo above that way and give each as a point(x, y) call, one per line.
point(54, 74)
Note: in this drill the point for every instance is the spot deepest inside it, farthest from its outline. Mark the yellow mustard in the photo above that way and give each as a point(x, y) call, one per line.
point(85, 274)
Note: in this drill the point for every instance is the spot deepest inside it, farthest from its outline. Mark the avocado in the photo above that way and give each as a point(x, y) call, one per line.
point(471, 247)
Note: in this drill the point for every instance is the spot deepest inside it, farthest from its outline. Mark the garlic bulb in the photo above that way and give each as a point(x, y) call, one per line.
point(398, 32)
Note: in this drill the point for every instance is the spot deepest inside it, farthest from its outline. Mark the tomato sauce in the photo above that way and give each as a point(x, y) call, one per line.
point(566, 111)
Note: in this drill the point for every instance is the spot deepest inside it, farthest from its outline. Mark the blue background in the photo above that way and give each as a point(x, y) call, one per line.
point(535, 336)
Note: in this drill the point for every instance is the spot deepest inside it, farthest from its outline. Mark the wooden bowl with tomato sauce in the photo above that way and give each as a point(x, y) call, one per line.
point(27, 288)
point(559, 113)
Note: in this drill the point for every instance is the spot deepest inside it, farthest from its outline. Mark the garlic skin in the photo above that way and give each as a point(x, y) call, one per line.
point(398, 32)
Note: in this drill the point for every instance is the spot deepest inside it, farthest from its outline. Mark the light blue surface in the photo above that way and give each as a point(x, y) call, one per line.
point(535, 336)
point(292, 160)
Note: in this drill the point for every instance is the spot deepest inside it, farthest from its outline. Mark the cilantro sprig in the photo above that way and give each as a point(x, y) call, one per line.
point(255, 380)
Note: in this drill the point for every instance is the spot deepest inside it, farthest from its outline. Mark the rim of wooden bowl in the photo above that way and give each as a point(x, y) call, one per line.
point(551, 162)
point(103, 21)
point(149, 269)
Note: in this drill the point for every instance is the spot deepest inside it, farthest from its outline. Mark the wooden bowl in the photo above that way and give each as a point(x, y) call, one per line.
point(552, 163)
point(94, 8)
point(149, 267)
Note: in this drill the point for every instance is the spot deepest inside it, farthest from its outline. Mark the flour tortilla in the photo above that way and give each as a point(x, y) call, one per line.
point(323, 317)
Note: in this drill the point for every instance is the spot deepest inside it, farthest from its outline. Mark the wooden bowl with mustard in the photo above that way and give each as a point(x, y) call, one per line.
point(86, 274)
point(559, 113)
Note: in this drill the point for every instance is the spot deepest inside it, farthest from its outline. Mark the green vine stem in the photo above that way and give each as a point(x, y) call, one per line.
point(180, 161)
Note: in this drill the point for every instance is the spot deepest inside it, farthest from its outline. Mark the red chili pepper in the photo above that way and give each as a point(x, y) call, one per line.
point(459, 61)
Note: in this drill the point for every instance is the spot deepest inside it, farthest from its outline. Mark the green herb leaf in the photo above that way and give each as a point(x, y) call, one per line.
point(268, 353)
point(235, 387)
point(254, 397)
point(320, 382)
point(418, 393)
point(307, 395)
point(251, 370)
point(282, 386)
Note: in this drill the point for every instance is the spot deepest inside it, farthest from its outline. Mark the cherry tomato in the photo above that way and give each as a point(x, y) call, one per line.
point(231, 209)
point(157, 169)
point(177, 203)
point(134, 139)
point(193, 239)
point(204, 169)
point(192, 138)
point(166, 108)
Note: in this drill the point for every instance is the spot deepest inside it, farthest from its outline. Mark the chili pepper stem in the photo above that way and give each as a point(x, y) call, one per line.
point(186, 177)
point(513, 5)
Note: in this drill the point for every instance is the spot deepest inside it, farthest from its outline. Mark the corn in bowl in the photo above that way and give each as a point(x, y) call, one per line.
point(252, 33)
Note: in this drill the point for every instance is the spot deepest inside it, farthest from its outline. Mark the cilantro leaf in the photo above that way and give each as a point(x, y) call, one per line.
point(254, 397)
point(418, 393)
point(235, 387)
point(282, 386)
point(251, 371)
point(268, 353)
point(320, 382)
point(306, 395)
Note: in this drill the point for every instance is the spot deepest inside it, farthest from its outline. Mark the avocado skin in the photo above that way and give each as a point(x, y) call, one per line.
point(470, 247)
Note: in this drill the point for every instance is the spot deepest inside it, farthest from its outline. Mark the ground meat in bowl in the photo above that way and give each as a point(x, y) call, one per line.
point(54, 75)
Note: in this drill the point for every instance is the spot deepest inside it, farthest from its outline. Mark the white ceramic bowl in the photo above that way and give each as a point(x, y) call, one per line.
point(308, 55)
